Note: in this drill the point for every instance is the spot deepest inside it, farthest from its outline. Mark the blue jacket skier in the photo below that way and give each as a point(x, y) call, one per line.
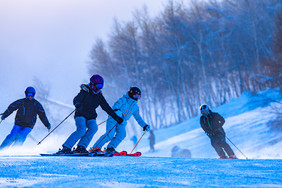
point(86, 102)
point(212, 123)
point(27, 110)
point(125, 107)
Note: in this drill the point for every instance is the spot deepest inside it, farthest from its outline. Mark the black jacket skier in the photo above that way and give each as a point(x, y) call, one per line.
point(86, 103)
point(27, 112)
point(211, 123)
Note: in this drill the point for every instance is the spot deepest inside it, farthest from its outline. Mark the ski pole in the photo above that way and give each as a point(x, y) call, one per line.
point(107, 132)
point(105, 135)
point(236, 147)
point(1, 114)
point(102, 122)
point(0, 121)
point(138, 141)
point(56, 127)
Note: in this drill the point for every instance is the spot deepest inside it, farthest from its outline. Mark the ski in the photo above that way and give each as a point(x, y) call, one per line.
point(136, 154)
point(77, 155)
point(124, 153)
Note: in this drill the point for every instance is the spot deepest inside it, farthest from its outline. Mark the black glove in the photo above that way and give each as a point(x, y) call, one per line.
point(146, 128)
point(119, 120)
point(2, 117)
point(78, 106)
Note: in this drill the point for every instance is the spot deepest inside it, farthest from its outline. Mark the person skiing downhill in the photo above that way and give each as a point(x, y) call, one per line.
point(27, 110)
point(125, 107)
point(211, 123)
point(86, 102)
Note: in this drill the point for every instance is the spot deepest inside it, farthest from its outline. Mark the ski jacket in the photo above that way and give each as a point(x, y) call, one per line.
point(89, 102)
point(27, 112)
point(125, 107)
point(212, 123)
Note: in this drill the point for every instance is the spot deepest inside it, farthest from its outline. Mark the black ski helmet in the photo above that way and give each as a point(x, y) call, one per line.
point(96, 82)
point(204, 109)
point(30, 90)
point(134, 93)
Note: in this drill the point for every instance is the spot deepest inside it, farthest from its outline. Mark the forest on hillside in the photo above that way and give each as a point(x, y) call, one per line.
point(190, 54)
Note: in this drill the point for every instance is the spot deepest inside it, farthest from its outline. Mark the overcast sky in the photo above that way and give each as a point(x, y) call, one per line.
point(51, 40)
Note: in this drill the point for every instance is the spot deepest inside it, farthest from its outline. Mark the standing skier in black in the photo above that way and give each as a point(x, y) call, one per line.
point(211, 123)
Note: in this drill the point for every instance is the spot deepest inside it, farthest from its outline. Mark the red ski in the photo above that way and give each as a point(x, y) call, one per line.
point(124, 153)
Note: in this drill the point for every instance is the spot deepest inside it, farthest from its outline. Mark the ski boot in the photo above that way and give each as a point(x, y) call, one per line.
point(95, 150)
point(80, 150)
point(223, 157)
point(110, 151)
point(232, 157)
point(64, 151)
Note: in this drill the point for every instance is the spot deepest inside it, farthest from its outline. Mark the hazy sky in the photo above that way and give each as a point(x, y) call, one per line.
point(51, 40)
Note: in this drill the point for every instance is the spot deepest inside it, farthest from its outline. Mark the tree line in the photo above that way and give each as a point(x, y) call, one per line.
point(190, 54)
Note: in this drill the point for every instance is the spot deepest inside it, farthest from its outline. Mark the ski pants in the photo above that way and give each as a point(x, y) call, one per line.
point(115, 136)
point(219, 143)
point(16, 137)
point(85, 130)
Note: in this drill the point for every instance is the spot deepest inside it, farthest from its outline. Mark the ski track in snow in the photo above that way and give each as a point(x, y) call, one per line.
point(35, 171)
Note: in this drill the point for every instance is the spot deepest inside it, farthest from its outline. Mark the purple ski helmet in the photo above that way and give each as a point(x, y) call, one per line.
point(96, 83)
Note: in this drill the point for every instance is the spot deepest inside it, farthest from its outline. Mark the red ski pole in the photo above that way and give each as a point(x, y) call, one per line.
point(106, 134)
point(138, 142)
point(102, 122)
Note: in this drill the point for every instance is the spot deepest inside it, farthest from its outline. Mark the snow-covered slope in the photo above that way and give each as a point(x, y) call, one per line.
point(34, 171)
point(247, 126)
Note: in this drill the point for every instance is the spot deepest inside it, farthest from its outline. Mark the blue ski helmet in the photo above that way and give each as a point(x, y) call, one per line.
point(29, 91)
point(96, 83)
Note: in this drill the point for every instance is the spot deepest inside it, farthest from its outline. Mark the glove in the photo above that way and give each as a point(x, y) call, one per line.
point(146, 128)
point(49, 127)
point(78, 106)
point(119, 120)
point(2, 117)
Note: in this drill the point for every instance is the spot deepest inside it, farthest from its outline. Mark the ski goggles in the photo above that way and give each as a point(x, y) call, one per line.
point(29, 95)
point(136, 96)
point(204, 111)
point(96, 86)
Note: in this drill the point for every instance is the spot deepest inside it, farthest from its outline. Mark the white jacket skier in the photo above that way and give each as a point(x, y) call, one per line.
point(125, 107)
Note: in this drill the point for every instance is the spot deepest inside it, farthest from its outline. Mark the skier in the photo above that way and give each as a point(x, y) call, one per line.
point(125, 107)
point(86, 102)
point(27, 110)
point(211, 123)
point(152, 141)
